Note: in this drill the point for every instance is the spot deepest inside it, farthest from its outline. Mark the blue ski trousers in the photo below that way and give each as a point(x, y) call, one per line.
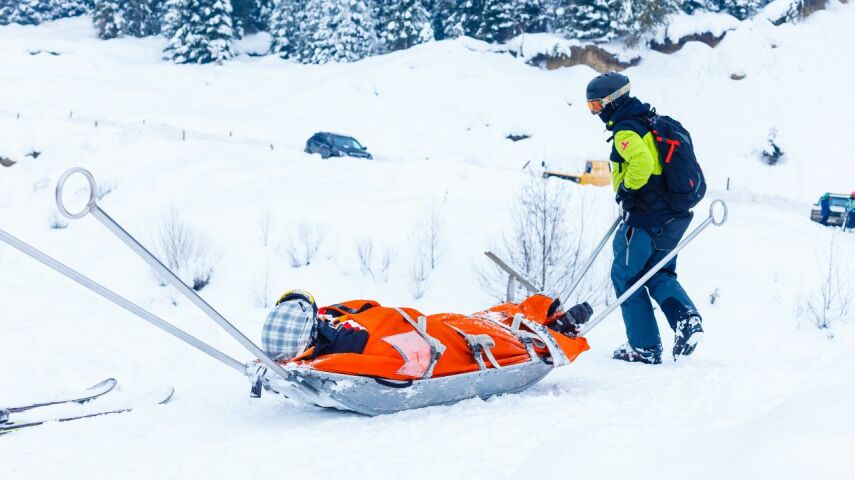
point(635, 253)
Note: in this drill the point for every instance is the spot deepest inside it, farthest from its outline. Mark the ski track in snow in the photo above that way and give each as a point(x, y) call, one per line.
point(766, 395)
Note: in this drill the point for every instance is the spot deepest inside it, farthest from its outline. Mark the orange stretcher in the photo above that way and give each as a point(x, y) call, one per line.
point(412, 360)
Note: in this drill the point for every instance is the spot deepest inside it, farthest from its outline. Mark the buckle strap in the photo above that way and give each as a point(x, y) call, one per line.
point(478, 345)
point(436, 347)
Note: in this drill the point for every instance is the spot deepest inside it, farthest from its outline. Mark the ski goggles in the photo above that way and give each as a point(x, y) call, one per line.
point(597, 105)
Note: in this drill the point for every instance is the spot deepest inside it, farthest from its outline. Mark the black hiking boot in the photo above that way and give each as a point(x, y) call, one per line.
point(687, 335)
point(651, 355)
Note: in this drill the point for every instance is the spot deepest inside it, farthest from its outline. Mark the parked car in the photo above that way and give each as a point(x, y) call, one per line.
point(334, 145)
point(840, 205)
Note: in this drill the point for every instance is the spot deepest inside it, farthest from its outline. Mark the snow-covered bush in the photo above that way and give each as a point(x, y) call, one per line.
point(772, 153)
point(57, 221)
point(186, 251)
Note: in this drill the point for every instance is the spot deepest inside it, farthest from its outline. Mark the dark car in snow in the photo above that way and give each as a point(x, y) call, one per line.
point(334, 145)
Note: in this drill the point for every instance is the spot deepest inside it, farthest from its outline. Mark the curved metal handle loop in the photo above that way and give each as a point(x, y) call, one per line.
point(60, 186)
point(724, 212)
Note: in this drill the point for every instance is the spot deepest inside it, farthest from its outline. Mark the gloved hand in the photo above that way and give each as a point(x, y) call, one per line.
point(625, 197)
point(570, 323)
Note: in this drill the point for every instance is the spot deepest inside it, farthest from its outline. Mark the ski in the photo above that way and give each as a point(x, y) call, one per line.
point(101, 388)
point(155, 397)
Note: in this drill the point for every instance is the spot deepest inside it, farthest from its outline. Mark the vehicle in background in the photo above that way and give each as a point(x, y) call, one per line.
point(840, 206)
point(334, 145)
point(597, 173)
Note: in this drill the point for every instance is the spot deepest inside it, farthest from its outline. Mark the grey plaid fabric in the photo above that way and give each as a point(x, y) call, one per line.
point(288, 329)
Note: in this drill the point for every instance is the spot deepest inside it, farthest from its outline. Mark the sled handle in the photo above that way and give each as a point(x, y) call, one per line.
point(724, 212)
point(60, 187)
point(164, 271)
point(712, 219)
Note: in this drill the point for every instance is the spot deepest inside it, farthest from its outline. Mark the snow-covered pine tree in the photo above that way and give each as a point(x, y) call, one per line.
point(459, 18)
point(589, 20)
point(741, 9)
point(141, 17)
point(337, 31)
point(499, 21)
point(31, 12)
point(533, 15)
point(70, 8)
point(286, 22)
point(402, 24)
point(251, 16)
point(692, 6)
point(201, 31)
point(107, 19)
point(6, 11)
point(638, 18)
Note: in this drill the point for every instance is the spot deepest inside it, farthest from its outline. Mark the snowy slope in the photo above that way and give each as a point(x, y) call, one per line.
point(765, 396)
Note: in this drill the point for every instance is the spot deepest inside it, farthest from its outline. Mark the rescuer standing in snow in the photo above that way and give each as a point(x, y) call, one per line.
point(652, 226)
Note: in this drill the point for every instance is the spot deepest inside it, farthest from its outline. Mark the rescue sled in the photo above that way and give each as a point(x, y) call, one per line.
point(411, 361)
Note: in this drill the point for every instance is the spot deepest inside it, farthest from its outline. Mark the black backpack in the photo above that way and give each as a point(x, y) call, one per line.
point(685, 184)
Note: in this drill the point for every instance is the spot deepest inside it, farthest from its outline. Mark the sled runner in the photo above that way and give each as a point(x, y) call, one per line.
point(410, 360)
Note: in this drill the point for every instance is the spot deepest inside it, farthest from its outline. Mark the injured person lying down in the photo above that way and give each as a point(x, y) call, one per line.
point(297, 330)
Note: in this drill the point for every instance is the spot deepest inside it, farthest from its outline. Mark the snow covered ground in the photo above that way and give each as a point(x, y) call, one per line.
point(766, 395)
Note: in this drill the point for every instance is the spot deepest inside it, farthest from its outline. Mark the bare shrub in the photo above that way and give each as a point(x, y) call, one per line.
point(419, 275)
point(186, 251)
point(376, 269)
point(545, 247)
point(427, 237)
point(265, 224)
point(427, 248)
point(104, 188)
point(832, 299)
point(303, 247)
point(365, 255)
point(262, 291)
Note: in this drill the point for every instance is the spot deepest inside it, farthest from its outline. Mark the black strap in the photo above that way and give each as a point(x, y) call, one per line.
point(392, 383)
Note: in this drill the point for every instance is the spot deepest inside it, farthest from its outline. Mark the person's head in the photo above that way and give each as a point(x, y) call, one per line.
point(290, 327)
point(606, 93)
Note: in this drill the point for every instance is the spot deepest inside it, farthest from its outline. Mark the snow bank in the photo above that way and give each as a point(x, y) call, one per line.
point(683, 25)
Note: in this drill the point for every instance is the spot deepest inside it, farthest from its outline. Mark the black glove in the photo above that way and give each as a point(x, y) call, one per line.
point(625, 197)
point(569, 324)
point(338, 340)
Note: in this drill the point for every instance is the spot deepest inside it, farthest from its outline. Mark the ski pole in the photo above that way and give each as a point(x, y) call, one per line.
point(594, 255)
point(158, 322)
point(641, 281)
point(93, 208)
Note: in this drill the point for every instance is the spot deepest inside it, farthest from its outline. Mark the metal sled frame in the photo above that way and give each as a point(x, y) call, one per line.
point(365, 395)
